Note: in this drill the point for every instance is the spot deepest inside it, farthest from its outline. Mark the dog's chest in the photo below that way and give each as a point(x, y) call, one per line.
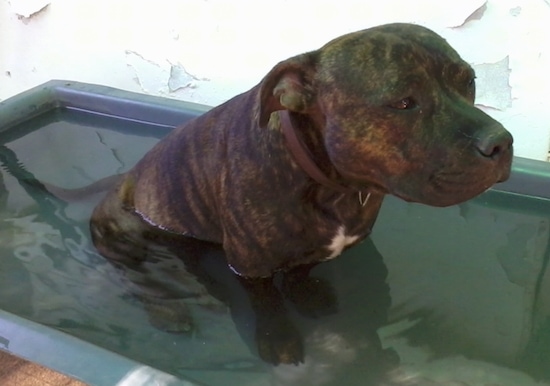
point(340, 241)
point(351, 222)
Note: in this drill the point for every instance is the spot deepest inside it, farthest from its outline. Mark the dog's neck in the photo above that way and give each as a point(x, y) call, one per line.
point(303, 157)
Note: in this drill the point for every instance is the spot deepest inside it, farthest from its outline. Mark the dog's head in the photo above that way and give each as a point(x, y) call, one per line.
point(395, 105)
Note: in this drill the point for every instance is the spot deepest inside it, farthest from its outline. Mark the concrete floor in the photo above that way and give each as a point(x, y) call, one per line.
point(15, 371)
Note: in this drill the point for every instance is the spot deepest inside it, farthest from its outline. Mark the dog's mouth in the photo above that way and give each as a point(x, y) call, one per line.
point(441, 187)
point(454, 180)
point(446, 188)
point(456, 174)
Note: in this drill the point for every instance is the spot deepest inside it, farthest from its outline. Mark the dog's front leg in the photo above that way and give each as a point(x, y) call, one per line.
point(277, 339)
point(312, 296)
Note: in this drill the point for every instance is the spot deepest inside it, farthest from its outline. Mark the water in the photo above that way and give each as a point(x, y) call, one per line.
point(459, 294)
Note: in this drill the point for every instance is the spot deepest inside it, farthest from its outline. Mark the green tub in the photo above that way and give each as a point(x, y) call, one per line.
point(440, 295)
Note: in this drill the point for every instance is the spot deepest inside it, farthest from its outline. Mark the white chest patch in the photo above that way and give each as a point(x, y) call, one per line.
point(339, 242)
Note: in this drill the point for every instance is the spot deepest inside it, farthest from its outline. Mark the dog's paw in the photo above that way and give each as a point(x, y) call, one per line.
point(279, 341)
point(169, 316)
point(313, 297)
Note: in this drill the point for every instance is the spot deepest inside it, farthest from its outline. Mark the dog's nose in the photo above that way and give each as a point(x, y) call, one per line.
point(494, 144)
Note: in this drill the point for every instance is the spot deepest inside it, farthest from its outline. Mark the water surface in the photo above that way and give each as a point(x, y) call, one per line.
point(459, 294)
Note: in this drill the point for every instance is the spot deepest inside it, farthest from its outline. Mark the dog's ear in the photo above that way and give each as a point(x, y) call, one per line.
point(289, 85)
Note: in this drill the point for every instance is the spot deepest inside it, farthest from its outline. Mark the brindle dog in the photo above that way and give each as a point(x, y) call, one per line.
point(293, 171)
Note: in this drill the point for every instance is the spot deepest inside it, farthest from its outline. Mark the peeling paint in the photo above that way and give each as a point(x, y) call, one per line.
point(140, 57)
point(477, 14)
point(171, 44)
point(494, 89)
point(152, 77)
point(160, 77)
point(180, 78)
point(26, 9)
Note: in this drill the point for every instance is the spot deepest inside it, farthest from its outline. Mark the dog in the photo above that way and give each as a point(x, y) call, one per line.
point(294, 171)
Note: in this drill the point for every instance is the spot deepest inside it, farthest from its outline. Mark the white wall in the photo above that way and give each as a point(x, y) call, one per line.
point(209, 50)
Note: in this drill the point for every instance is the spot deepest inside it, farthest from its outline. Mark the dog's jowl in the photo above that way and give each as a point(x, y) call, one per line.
point(293, 171)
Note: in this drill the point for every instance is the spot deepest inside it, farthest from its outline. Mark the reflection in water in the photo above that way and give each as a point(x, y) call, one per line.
point(468, 288)
point(346, 349)
point(178, 281)
point(335, 348)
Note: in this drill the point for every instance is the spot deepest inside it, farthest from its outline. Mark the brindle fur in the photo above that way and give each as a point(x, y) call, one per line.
point(387, 110)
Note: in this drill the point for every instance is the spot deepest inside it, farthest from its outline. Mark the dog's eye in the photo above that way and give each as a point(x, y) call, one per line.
point(404, 104)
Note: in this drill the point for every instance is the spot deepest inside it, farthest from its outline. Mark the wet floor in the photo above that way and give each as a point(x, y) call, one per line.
point(442, 296)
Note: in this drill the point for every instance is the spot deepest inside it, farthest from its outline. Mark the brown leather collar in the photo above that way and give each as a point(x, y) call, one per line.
point(304, 158)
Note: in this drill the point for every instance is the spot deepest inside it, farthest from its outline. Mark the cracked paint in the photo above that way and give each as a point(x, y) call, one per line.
point(25, 9)
point(493, 80)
